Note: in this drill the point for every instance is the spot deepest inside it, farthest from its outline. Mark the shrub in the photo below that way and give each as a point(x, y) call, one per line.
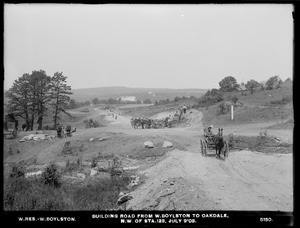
point(94, 162)
point(264, 140)
point(67, 148)
point(90, 123)
point(18, 170)
point(230, 141)
point(51, 176)
point(283, 101)
point(70, 167)
point(224, 108)
point(273, 82)
point(115, 166)
point(234, 99)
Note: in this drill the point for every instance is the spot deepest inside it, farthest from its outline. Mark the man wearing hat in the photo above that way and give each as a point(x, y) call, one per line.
point(208, 134)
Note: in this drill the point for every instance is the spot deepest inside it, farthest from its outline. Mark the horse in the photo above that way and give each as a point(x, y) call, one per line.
point(147, 123)
point(135, 123)
point(219, 143)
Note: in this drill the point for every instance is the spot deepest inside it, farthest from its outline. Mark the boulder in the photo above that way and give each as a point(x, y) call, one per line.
point(36, 137)
point(277, 140)
point(36, 167)
point(167, 144)
point(93, 172)
point(91, 139)
point(103, 138)
point(130, 186)
point(124, 199)
point(131, 168)
point(33, 174)
point(86, 163)
point(121, 194)
point(148, 144)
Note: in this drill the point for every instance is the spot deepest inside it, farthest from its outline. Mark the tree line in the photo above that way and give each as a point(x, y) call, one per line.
point(32, 94)
point(229, 84)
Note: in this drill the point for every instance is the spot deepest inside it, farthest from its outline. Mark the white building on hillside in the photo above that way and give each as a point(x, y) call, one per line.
point(127, 98)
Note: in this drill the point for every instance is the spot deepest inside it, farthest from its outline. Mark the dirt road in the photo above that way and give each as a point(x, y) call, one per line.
point(245, 181)
point(185, 180)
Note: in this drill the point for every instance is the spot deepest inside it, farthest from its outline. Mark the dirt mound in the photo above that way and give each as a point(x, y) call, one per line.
point(167, 187)
point(192, 118)
point(245, 181)
point(163, 115)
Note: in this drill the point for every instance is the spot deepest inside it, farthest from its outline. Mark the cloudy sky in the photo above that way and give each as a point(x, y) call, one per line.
point(157, 46)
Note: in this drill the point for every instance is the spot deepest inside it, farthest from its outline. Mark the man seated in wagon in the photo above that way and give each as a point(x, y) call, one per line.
point(208, 134)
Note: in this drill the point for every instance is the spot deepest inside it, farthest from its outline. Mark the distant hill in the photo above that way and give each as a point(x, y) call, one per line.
point(81, 95)
point(153, 94)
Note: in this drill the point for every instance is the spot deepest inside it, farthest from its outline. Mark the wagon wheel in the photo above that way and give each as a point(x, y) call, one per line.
point(203, 147)
point(226, 150)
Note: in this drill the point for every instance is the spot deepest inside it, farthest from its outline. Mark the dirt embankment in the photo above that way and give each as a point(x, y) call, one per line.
point(245, 181)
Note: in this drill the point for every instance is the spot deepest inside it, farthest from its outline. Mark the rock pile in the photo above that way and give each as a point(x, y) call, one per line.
point(37, 137)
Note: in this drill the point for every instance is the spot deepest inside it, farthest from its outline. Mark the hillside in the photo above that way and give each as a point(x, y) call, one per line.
point(268, 106)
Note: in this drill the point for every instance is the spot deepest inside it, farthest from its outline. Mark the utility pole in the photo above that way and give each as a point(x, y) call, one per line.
point(231, 112)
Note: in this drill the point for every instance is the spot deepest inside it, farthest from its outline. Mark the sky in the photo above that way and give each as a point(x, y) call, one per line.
point(149, 46)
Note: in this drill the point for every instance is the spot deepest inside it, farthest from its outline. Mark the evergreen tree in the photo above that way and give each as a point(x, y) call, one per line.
point(40, 95)
point(19, 98)
point(60, 92)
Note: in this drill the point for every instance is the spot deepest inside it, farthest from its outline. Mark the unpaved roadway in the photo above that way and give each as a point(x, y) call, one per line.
point(185, 180)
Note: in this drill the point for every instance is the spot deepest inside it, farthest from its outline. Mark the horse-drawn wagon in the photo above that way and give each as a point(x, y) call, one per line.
point(214, 142)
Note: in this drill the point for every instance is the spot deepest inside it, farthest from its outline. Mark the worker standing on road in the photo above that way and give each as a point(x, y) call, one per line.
point(184, 108)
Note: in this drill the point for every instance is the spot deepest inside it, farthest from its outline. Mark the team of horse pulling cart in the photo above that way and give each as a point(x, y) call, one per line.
point(214, 142)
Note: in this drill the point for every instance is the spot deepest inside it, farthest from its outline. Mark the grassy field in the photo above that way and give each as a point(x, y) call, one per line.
point(41, 194)
point(91, 194)
point(117, 143)
point(261, 143)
